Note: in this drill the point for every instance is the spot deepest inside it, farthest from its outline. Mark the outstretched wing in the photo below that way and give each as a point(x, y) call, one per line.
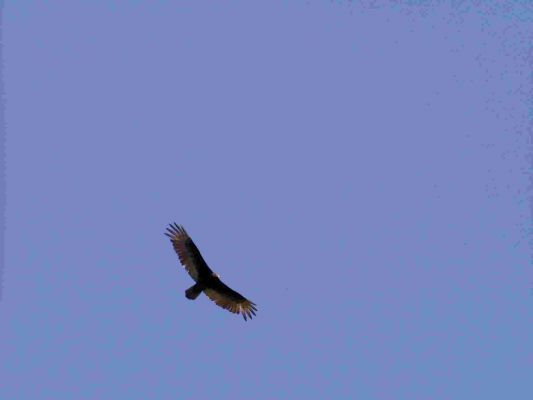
point(229, 299)
point(188, 253)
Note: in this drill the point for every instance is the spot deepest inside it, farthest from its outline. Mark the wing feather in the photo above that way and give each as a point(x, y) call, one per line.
point(188, 253)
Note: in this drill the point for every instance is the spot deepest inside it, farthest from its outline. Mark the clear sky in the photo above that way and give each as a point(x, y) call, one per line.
point(357, 169)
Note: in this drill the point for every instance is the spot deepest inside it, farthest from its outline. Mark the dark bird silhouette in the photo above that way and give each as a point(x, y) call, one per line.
point(206, 280)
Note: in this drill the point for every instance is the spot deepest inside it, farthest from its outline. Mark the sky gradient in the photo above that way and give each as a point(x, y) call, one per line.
point(359, 170)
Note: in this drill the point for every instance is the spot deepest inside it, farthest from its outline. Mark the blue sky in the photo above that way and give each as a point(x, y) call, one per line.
point(357, 169)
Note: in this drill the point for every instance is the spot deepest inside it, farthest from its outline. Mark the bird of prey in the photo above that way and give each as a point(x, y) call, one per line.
point(206, 280)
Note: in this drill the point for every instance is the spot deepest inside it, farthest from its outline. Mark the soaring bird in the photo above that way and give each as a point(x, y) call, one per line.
point(206, 280)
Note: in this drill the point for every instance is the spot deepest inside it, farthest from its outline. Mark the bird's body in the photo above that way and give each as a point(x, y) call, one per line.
point(206, 280)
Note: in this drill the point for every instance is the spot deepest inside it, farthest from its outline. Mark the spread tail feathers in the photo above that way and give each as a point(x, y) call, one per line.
point(193, 292)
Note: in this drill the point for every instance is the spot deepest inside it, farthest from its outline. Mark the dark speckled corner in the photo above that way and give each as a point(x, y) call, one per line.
point(2, 158)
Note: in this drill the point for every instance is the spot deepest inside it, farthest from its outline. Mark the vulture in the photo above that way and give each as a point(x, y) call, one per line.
point(206, 280)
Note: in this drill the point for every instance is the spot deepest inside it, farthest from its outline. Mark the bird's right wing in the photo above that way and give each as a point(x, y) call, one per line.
point(187, 251)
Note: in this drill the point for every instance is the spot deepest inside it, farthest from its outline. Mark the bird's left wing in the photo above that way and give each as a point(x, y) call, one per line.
point(229, 299)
